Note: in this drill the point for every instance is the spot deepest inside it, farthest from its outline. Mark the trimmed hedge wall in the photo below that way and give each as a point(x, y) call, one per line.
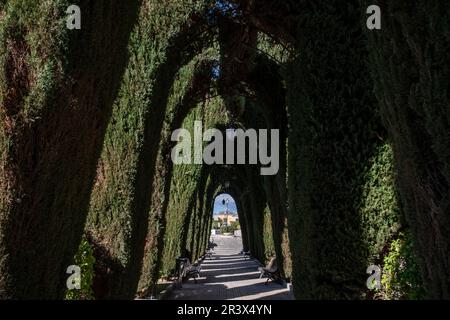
point(166, 37)
point(56, 91)
point(185, 218)
point(191, 84)
point(335, 135)
point(410, 66)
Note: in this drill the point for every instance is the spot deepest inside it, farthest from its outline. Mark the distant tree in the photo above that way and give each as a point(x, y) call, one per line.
point(235, 225)
point(215, 225)
point(231, 228)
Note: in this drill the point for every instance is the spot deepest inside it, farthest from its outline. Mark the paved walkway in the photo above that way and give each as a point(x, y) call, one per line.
point(229, 276)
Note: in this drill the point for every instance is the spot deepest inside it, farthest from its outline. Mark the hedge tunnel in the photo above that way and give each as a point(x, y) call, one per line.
point(86, 119)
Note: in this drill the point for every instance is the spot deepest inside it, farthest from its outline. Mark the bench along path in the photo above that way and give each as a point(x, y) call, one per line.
point(229, 276)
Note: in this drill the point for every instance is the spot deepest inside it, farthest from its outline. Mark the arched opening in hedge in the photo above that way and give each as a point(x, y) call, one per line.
point(225, 215)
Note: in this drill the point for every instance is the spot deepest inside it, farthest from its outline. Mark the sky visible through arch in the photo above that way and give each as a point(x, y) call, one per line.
point(219, 207)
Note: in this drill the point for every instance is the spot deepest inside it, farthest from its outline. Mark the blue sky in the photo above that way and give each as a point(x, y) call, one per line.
point(219, 207)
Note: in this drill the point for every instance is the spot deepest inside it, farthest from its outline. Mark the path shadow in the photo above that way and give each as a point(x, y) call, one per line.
point(192, 291)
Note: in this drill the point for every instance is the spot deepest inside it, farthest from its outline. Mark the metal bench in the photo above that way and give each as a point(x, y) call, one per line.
point(209, 253)
point(271, 271)
point(246, 254)
point(211, 245)
point(186, 270)
point(193, 271)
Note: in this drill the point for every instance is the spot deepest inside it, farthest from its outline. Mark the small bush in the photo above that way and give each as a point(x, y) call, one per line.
point(231, 228)
point(401, 278)
point(85, 260)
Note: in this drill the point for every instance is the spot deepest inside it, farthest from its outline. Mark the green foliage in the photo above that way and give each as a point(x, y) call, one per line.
point(161, 43)
point(35, 34)
point(185, 216)
point(415, 110)
point(86, 261)
point(231, 228)
point(343, 207)
point(272, 49)
point(269, 246)
point(235, 225)
point(217, 224)
point(378, 204)
point(401, 277)
point(342, 204)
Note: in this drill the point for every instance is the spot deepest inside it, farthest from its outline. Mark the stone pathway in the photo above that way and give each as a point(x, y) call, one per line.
point(229, 276)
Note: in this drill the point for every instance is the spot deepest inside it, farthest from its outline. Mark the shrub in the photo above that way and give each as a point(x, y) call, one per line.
point(85, 260)
point(401, 278)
